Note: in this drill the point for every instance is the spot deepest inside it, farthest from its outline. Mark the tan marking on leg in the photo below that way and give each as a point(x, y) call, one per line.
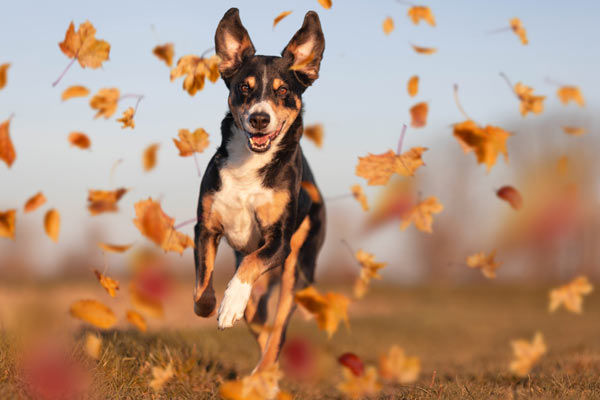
point(269, 213)
point(211, 219)
point(277, 83)
point(250, 268)
point(204, 293)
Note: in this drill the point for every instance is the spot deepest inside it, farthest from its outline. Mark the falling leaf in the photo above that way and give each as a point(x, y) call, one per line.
point(280, 17)
point(149, 306)
point(83, 46)
point(353, 363)
point(93, 345)
point(7, 223)
point(487, 264)
point(165, 52)
point(396, 366)
point(325, 3)
point(418, 13)
point(315, 134)
point(127, 118)
point(160, 376)
point(52, 224)
point(574, 130)
point(158, 227)
point(302, 63)
point(358, 387)
point(312, 191)
point(101, 201)
point(526, 354)
point(7, 150)
point(570, 295)
point(413, 86)
point(424, 50)
point(519, 30)
point(105, 101)
point(422, 214)
point(359, 195)
point(511, 195)
point(377, 168)
point(79, 139)
point(94, 312)
point(34, 202)
point(3, 79)
point(261, 385)
point(190, 143)
point(197, 70)
point(418, 114)
point(529, 102)
point(149, 156)
point(109, 284)
point(74, 91)
point(570, 93)
point(328, 309)
point(368, 270)
point(137, 320)
point(388, 25)
point(114, 248)
point(485, 142)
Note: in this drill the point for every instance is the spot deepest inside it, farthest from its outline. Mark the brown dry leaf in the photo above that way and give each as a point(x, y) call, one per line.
point(196, 69)
point(315, 134)
point(149, 156)
point(109, 284)
point(388, 25)
point(93, 345)
point(52, 224)
point(413, 86)
point(127, 118)
point(261, 385)
point(359, 195)
point(424, 50)
point(7, 223)
point(574, 130)
point(422, 214)
point(105, 101)
point(158, 227)
point(529, 102)
point(418, 13)
point(145, 304)
point(418, 114)
point(160, 376)
point(358, 387)
point(34, 202)
point(74, 91)
point(326, 4)
point(519, 30)
point(3, 79)
point(396, 366)
point(368, 270)
point(511, 195)
point(165, 52)
point(79, 139)
point(101, 201)
point(526, 354)
point(570, 295)
point(487, 264)
point(7, 150)
point(190, 143)
point(302, 63)
point(486, 142)
point(570, 93)
point(94, 312)
point(280, 17)
point(328, 309)
point(377, 168)
point(312, 191)
point(137, 320)
point(82, 45)
point(114, 248)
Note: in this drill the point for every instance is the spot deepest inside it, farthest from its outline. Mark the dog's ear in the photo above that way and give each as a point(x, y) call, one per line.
point(232, 43)
point(307, 43)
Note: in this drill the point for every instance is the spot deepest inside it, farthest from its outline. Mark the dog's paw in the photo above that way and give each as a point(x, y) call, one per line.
point(234, 302)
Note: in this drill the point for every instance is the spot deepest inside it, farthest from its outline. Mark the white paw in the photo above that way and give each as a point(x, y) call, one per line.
point(234, 302)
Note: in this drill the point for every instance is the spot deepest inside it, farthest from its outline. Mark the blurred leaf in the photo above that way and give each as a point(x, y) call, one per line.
point(82, 45)
point(418, 114)
point(325, 3)
point(93, 345)
point(487, 264)
point(261, 385)
point(165, 52)
point(511, 195)
point(574, 130)
point(105, 101)
point(127, 118)
point(570, 93)
point(101, 201)
point(137, 320)
point(422, 214)
point(281, 16)
point(418, 13)
point(396, 366)
point(114, 248)
point(7, 150)
point(94, 312)
point(109, 284)
point(368, 270)
point(526, 354)
point(79, 139)
point(353, 363)
point(358, 387)
point(485, 142)
point(315, 134)
point(7, 223)
point(160, 377)
point(519, 30)
point(34, 202)
point(74, 91)
point(52, 224)
point(529, 102)
point(3, 70)
point(570, 295)
point(196, 69)
point(149, 156)
point(413, 85)
point(388, 25)
point(328, 309)
point(424, 50)
point(359, 195)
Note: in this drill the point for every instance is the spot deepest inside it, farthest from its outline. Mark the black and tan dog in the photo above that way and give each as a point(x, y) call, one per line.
point(252, 191)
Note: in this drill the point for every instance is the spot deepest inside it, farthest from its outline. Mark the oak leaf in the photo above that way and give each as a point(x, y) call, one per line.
point(114, 248)
point(74, 91)
point(358, 387)
point(261, 385)
point(574, 130)
point(359, 195)
point(422, 214)
point(511, 195)
point(127, 118)
point(368, 270)
point(79, 139)
point(82, 45)
point(7, 223)
point(197, 70)
point(314, 133)
point(93, 312)
point(149, 156)
point(424, 50)
point(281, 16)
point(101, 201)
point(3, 70)
point(570, 93)
point(388, 25)
point(328, 309)
point(137, 320)
point(105, 101)
point(160, 376)
point(165, 52)
point(487, 264)
point(413, 86)
point(517, 27)
point(7, 150)
point(418, 114)
point(190, 143)
point(397, 366)
point(109, 284)
point(485, 142)
point(529, 102)
point(34, 202)
point(52, 224)
point(526, 354)
point(418, 13)
point(377, 168)
point(93, 345)
point(570, 295)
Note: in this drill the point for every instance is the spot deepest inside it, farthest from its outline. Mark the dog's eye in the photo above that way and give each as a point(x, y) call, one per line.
point(282, 91)
point(244, 88)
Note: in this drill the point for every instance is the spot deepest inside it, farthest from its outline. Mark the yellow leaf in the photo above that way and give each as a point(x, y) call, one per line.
point(312, 191)
point(101, 201)
point(82, 45)
point(114, 248)
point(108, 283)
point(377, 168)
point(422, 214)
point(418, 114)
point(519, 30)
point(486, 143)
point(160, 376)
point(358, 387)
point(413, 86)
point(328, 309)
point(261, 385)
point(79, 139)
point(165, 52)
point(281, 16)
point(3, 69)
point(424, 50)
point(127, 118)
point(34, 202)
point(418, 13)
point(190, 143)
point(388, 25)
point(570, 93)
point(570, 295)
point(325, 3)
point(398, 367)
point(74, 91)
point(7, 150)
point(93, 345)
point(93, 312)
point(137, 320)
point(7, 223)
point(52, 224)
point(149, 156)
point(368, 270)
point(105, 101)
point(529, 102)
point(526, 354)
point(487, 264)
point(196, 69)
point(315, 134)
point(359, 195)
point(574, 130)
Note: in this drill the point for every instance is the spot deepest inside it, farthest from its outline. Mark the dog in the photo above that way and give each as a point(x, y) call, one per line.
point(253, 190)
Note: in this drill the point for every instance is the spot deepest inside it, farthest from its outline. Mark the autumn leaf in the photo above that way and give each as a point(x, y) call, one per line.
point(418, 13)
point(79, 139)
point(377, 168)
point(329, 309)
point(359, 195)
point(190, 143)
point(137, 320)
point(158, 227)
point(93, 345)
point(261, 385)
point(397, 366)
point(388, 25)
point(114, 248)
point(300, 64)
point(109, 284)
point(487, 264)
point(93, 312)
point(105, 101)
point(485, 142)
point(570, 93)
point(418, 114)
point(312, 191)
point(281, 16)
point(529, 102)
point(34, 202)
point(422, 214)
point(326, 4)
point(197, 70)
point(82, 45)
point(358, 387)
point(127, 118)
point(165, 52)
point(314, 133)
point(52, 224)
point(7, 223)
point(101, 201)
point(519, 30)
point(353, 363)
point(3, 70)
point(424, 50)
point(570, 295)
point(511, 195)
point(526, 354)
point(160, 376)
point(7, 150)
point(149, 306)
point(368, 270)
point(413, 86)
point(149, 156)
point(74, 91)
point(574, 130)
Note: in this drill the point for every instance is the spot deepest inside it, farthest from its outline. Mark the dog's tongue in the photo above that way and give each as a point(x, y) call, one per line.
point(260, 139)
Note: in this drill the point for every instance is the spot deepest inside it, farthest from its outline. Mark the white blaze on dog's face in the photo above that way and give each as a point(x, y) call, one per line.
point(265, 95)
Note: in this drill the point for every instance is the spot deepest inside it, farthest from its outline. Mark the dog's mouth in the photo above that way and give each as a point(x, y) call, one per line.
point(261, 142)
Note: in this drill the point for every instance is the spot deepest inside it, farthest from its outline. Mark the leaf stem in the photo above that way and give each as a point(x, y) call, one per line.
point(348, 247)
point(197, 164)
point(458, 105)
point(184, 223)
point(64, 72)
point(553, 82)
point(499, 30)
point(205, 52)
point(508, 82)
point(112, 171)
point(401, 140)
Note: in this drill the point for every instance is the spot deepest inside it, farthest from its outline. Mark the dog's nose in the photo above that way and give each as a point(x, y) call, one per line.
point(259, 120)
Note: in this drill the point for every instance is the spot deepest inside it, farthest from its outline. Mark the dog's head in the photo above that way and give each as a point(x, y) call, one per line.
point(265, 92)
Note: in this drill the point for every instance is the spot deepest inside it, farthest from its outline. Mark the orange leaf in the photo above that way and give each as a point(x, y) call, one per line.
point(34, 202)
point(526, 354)
point(82, 45)
point(3, 69)
point(529, 102)
point(418, 114)
point(137, 320)
point(105, 101)
point(570, 295)
point(486, 143)
point(413, 86)
point(260, 385)
point(398, 367)
point(359, 195)
point(511, 195)
point(7, 150)
point(388, 25)
point(79, 139)
point(519, 30)
point(94, 312)
point(196, 69)
point(487, 264)
point(114, 248)
point(74, 91)
point(325, 3)
point(165, 52)
point(160, 376)
point(315, 134)
point(368, 271)
point(190, 143)
point(93, 345)
point(312, 191)
point(149, 156)
point(418, 13)
point(570, 93)
point(7, 223)
point(422, 214)
point(377, 168)
point(359, 387)
point(328, 309)
point(101, 201)
point(109, 284)
point(52, 224)
point(280, 17)
point(127, 118)
point(574, 130)
point(424, 50)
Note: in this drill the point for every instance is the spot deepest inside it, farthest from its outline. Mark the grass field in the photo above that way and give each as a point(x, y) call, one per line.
point(462, 336)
